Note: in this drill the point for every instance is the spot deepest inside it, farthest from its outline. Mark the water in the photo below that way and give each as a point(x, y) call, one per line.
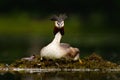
point(61, 76)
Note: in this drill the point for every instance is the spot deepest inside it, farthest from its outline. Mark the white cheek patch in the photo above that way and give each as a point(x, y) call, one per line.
point(56, 24)
point(62, 23)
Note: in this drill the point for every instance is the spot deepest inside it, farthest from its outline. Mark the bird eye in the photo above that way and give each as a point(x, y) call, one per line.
point(58, 23)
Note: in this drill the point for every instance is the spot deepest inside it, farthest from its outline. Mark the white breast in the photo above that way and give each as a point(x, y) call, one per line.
point(52, 51)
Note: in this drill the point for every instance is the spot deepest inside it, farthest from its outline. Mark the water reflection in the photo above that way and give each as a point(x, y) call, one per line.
point(61, 76)
point(10, 76)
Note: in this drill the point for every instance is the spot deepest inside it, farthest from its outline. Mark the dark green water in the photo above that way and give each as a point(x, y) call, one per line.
point(13, 48)
point(61, 76)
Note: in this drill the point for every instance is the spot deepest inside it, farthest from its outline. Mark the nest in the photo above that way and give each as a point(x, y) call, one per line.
point(94, 61)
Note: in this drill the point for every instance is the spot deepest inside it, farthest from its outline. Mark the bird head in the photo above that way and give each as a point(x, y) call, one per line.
point(59, 23)
point(59, 20)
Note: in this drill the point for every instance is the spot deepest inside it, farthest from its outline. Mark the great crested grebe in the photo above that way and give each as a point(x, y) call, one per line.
point(55, 49)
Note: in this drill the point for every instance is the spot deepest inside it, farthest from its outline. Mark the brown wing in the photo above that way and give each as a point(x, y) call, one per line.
point(65, 45)
point(71, 52)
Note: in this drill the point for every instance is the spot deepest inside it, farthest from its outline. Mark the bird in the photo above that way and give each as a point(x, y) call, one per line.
point(56, 49)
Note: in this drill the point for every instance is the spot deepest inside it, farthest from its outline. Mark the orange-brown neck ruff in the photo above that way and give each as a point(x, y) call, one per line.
point(56, 30)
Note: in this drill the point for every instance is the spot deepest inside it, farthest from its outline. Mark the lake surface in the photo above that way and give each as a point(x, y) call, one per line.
point(61, 76)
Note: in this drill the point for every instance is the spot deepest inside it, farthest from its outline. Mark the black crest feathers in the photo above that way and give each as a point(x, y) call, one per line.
point(61, 17)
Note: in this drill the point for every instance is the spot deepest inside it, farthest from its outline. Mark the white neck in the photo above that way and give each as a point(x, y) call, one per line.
point(57, 38)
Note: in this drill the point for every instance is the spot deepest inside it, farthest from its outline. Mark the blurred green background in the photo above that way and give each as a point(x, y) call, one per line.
point(92, 26)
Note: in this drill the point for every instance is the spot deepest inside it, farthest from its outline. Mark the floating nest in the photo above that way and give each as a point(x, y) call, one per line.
point(94, 61)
